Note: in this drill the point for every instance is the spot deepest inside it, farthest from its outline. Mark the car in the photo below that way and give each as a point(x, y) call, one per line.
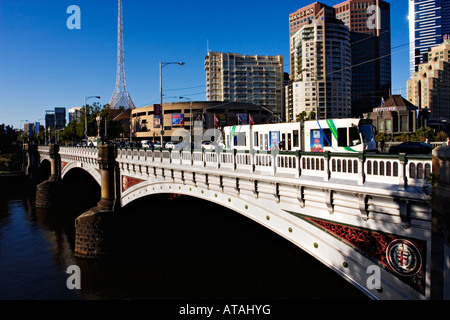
point(411, 147)
point(208, 145)
point(170, 145)
point(147, 144)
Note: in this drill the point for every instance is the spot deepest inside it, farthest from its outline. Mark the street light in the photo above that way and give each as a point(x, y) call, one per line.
point(85, 116)
point(161, 65)
point(190, 116)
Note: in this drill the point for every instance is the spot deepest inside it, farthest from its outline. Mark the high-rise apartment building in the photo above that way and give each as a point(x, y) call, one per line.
point(429, 86)
point(256, 79)
point(320, 65)
point(369, 26)
point(74, 114)
point(429, 22)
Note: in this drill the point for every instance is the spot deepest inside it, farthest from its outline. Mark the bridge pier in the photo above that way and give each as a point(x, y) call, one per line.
point(94, 229)
point(440, 249)
point(48, 192)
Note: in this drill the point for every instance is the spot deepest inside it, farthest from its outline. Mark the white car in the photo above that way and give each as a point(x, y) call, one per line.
point(207, 145)
point(170, 145)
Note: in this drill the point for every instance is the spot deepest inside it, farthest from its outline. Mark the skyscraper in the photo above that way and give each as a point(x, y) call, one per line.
point(369, 24)
point(429, 22)
point(256, 79)
point(429, 86)
point(320, 64)
point(121, 97)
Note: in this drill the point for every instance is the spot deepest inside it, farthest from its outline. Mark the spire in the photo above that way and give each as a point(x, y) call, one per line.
point(121, 97)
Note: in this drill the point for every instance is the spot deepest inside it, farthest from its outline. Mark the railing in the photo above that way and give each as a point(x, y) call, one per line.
point(359, 169)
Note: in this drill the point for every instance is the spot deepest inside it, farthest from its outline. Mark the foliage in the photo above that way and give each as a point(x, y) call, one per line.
point(403, 138)
point(304, 116)
point(382, 135)
point(75, 131)
point(441, 136)
point(423, 134)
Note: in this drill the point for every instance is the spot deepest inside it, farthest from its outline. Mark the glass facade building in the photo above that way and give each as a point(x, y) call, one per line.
point(429, 23)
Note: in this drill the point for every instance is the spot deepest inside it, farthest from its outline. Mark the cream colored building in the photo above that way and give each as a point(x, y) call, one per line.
point(146, 121)
point(429, 86)
point(257, 79)
point(321, 68)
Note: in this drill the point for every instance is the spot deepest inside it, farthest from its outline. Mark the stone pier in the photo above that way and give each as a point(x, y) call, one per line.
point(48, 193)
point(94, 229)
point(440, 251)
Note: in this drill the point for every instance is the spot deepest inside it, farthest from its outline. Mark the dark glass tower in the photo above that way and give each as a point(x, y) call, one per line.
point(429, 23)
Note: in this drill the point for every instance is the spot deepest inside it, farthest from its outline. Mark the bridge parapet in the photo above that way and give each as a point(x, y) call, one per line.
point(395, 170)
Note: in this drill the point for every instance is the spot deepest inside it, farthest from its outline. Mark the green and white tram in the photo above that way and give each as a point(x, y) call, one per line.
point(334, 135)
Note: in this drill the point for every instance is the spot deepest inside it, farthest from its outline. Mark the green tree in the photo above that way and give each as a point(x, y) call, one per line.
point(423, 134)
point(304, 116)
point(75, 131)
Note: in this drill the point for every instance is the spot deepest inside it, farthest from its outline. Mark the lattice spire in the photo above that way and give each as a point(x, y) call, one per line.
point(121, 97)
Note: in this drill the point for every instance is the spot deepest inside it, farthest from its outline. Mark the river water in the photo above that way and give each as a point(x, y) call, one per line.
point(184, 249)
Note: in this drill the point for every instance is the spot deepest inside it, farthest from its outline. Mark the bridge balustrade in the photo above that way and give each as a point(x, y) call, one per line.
point(387, 169)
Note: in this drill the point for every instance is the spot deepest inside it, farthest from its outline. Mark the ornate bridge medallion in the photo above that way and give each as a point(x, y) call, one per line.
point(402, 257)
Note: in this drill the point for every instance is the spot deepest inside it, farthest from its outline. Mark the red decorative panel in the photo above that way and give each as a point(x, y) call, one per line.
point(128, 182)
point(403, 257)
point(63, 164)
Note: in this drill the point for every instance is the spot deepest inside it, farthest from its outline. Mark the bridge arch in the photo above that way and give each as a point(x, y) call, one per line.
point(315, 242)
point(91, 170)
point(44, 170)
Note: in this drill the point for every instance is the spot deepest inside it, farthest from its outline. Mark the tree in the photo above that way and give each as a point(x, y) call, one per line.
point(423, 134)
point(304, 116)
point(75, 131)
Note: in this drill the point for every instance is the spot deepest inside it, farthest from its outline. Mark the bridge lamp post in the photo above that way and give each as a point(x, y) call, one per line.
point(162, 65)
point(190, 116)
point(85, 116)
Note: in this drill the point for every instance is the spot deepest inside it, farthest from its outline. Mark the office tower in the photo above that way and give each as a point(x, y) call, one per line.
point(369, 25)
point(429, 86)
point(74, 114)
point(121, 98)
point(320, 64)
point(256, 79)
point(429, 22)
point(55, 119)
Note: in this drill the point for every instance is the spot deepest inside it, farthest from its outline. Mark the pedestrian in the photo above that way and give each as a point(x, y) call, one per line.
point(382, 144)
point(281, 145)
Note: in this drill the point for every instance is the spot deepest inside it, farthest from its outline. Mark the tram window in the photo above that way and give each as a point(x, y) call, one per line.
point(327, 133)
point(342, 137)
point(240, 140)
point(256, 140)
point(296, 140)
point(354, 136)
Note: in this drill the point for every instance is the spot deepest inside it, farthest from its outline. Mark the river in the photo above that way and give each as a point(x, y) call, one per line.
point(183, 249)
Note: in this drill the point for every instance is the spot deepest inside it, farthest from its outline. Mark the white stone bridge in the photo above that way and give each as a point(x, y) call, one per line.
point(368, 217)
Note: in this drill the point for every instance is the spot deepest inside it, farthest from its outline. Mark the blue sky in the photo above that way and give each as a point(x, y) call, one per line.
point(44, 65)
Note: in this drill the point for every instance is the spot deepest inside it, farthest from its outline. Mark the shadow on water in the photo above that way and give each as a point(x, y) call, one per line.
point(182, 248)
point(187, 248)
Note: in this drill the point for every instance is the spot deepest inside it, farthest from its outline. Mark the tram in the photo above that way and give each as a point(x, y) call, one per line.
point(334, 135)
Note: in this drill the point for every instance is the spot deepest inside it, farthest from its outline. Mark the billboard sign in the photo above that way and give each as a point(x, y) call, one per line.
point(316, 141)
point(178, 120)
